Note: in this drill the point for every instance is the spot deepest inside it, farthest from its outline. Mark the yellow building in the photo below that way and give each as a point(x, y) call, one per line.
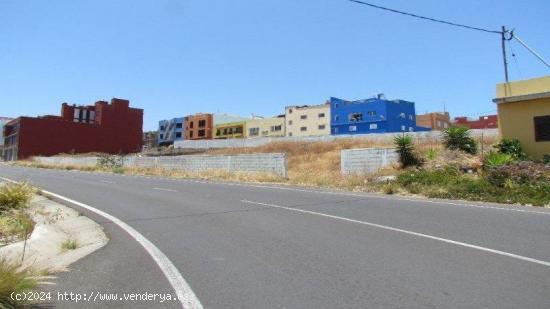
point(307, 120)
point(230, 130)
point(524, 113)
point(265, 127)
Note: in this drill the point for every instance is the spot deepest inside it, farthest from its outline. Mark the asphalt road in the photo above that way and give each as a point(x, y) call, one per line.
point(253, 246)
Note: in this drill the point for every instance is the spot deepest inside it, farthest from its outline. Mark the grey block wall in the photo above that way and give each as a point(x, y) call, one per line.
point(274, 163)
point(366, 160)
point(434, 136)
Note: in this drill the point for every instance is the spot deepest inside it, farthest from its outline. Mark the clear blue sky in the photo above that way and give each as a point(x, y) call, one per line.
point(176, 57)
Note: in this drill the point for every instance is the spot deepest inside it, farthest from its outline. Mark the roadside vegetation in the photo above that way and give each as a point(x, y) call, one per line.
point(457, 167)
point(15, 225)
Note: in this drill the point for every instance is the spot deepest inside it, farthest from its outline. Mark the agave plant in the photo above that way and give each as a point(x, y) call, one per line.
point(494, 159)
point(405, 149)
point(458, 138)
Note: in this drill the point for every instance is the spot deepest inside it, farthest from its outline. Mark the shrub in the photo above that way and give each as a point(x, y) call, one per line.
point(109, 162)
point(15, 223)
point(14, 196)
point(546, 159)
point(13, 280)
point(405, 149)
point(458, 138)
point(432, 154)
point(511, 147)
point(494, 159)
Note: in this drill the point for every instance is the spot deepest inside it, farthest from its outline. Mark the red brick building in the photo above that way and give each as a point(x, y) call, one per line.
point(109, 128)
point(484, 122)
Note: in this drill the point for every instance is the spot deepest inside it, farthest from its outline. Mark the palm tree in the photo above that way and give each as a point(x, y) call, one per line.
point(458, 138)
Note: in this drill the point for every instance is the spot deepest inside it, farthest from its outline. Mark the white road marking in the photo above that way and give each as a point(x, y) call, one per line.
point(385, 227)
point(185, 295)
point(108, 181)
point(164, 189)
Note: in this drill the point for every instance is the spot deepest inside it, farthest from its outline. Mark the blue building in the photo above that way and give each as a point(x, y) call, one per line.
point(169, 131)
point(376, 115)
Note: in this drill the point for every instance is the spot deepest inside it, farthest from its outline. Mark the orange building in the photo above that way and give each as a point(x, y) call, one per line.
point(435, 121)
point(198, 126)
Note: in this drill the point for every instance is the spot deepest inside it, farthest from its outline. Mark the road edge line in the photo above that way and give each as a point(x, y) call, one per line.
point(185, 294)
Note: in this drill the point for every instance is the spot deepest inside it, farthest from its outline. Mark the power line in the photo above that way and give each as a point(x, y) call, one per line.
point(529, 49)
point(427, 18)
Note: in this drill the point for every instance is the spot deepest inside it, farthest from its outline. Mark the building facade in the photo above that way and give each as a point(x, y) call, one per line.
point(3, 120)
point(103, 127)
point(230, 130)
point(524, 114)
point(169, 131)
point(436, 121)
point(266, 127)
point(376, 115)
point(307, 120)
point(483, 122)
point(198, 126)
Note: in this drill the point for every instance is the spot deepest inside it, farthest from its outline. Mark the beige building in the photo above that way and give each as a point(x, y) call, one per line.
point(265, 127)
point(524, 113)
point(307, 120)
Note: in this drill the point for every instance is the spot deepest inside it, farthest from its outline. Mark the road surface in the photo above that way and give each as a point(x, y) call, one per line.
point(255, 246)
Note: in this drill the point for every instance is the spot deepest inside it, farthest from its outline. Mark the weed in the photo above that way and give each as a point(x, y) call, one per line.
point(14, 280)
point(69, 244)
point(15, 196)
point(494, 159)
point(432, 153)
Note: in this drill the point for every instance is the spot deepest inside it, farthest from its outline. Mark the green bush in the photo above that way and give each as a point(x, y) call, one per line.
point(405, 149)
point(450, 183)
point(511, 147)
point(494, 159)
point(546, 159)
point(458, 138)
point(14, 196)
point(432, 153)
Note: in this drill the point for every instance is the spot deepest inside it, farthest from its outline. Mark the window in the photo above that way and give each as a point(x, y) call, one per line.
point(162, 136)
point(335, 130)
point(321, 127)
point(371, 113)
point(303, 129)
point(411, 129)
point(179, 125)
point(190, 134)
point(238, 130)
point(373, 126)
point(218, 132)
point(276, 128)
point(410, 117)
point(403, 128)
point(162, 128)
point(191, 124)
point(321, 115)
point(352, 128)
point(253, 131)
point(402, 115)
point(355, 117)
point(289, 133)
point(336, 105)
point(202, 123)
point(202, 133)
point(336, 118)
point(290, 122)
point(542, 128)
point(290, 110)
point(178, 134)
point(303, 117)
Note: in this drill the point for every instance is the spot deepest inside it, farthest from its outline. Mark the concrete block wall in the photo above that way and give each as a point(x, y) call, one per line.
point(432, 136)
point(364, 161)
point(66, 161)
point(274, 163)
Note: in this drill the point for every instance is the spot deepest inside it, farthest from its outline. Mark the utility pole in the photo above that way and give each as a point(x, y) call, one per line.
point(503, 35)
